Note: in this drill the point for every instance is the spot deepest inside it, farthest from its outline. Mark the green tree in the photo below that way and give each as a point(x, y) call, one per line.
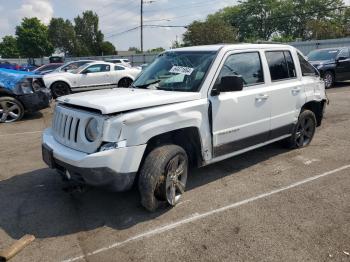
point(134, 49)
point(8, 47)
point(107, 48)
point(211, 31)
point(89, 37)
point(32, 38)
point(156, 50)
point(62, 35)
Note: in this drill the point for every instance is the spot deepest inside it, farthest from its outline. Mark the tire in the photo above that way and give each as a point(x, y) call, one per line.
point(329, 79)
point(11, 109)
point(158, 182)
point(125, 82)
point(59, 89)
point(304, 130)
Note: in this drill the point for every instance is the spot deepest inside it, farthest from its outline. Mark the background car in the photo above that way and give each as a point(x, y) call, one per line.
point(91, 76)
point(28, 67)
point(72, 65)
point(332, 63)
point(21, 92)
point(48, 68)
point(7, 65)
point(122, 61)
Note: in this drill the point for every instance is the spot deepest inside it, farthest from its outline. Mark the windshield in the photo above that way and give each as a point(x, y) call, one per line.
point(176, 71)
point(319, 55)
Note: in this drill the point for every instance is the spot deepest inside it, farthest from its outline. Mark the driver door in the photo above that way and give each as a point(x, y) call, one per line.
point(241, 119)
point(96, 76)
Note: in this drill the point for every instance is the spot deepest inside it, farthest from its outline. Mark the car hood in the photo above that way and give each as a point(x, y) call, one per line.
point(321, 62)
point(124, 99)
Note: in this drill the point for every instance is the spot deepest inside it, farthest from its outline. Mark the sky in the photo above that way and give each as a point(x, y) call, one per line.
point(116, 16)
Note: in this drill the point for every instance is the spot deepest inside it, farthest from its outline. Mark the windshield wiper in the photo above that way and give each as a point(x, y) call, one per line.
point(147, 85)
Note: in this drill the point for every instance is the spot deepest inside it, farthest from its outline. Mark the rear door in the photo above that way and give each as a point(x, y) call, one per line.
point(241, 119)
point(287, 92)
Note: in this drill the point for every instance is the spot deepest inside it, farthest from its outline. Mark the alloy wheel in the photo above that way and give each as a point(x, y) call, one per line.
point(9, 111)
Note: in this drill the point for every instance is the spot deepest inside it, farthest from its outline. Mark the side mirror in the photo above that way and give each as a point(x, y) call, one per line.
point(228, 84)
point(65, 70)
point(341, 58)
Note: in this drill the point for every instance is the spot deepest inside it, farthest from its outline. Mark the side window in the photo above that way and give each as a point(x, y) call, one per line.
point(290, 64)
point(118, 68)
point(246, 65)
point(281, 65)
point(97, 69)
point(306, 68)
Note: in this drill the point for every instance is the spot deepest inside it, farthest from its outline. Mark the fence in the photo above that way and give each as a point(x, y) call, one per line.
point(304, 46)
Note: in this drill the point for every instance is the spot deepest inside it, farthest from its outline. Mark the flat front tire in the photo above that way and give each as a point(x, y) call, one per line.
point(163, 176)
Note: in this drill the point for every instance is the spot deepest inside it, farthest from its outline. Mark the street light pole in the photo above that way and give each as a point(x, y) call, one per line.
point(141, 26)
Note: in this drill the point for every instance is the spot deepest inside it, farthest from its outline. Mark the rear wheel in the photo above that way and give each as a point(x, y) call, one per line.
point(329, 79)
point(163, 176)
point(304, 130)
point(59, 89)
point(11, 110)
point(125, 82)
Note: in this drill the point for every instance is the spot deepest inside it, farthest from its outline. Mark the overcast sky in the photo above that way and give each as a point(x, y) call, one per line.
point(116, 16)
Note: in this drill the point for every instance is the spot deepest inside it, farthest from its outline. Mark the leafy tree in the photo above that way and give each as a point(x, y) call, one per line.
point(62, 36)
point(89, 37)
point(8, 47)
point(107, 48)
point(211, 31)
point(32, 38)
point(156, 50)
point(135, 49)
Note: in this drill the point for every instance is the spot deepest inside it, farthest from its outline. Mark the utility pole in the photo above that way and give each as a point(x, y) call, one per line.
point(141, 26)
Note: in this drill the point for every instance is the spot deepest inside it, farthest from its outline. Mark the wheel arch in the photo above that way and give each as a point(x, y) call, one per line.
point(125, 77)
point(61, 81)
point(188, 138)
point(317, 107)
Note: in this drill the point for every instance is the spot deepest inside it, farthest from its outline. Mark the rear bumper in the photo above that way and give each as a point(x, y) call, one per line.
point(115, 169)
point(35, 101)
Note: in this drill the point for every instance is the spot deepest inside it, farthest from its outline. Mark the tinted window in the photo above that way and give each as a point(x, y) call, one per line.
point(117, 68)
point(97, 68)
point(246, 65)
point(278, 65)
point(290, 64)
point(325, 54)
point(306, 68)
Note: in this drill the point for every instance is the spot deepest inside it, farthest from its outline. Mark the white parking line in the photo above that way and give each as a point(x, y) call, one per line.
point(24, 133)
point(197, 216)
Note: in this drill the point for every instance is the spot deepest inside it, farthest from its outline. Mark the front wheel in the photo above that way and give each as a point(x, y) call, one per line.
point(329, 79)
point(304, 130)
point(163, 176)
point(11, 110)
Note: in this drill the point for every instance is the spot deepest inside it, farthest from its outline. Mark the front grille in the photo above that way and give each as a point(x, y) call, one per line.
point(69, 128)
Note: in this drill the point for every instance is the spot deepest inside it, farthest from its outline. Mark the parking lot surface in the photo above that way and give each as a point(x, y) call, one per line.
point(270, 204)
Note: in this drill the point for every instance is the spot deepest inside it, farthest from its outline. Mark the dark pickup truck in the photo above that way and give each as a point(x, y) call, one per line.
point(21, 92)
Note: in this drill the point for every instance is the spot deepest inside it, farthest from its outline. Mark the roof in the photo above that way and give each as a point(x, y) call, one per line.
point(233, 46)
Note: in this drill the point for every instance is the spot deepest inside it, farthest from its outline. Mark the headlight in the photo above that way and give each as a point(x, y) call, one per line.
point(26, 86)
point(92, 130)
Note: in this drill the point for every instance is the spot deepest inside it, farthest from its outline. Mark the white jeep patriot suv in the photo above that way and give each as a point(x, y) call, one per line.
point(191, 107)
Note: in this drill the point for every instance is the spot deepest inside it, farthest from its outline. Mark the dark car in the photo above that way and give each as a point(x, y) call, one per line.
point(45, 69)
point(332, 63)
point(8, 65)
point(21, 92)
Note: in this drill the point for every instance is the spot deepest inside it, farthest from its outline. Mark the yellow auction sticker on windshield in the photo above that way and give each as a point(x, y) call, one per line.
point(181, 70)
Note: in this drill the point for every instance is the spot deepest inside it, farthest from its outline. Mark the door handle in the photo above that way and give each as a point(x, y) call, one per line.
point(261, 97)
